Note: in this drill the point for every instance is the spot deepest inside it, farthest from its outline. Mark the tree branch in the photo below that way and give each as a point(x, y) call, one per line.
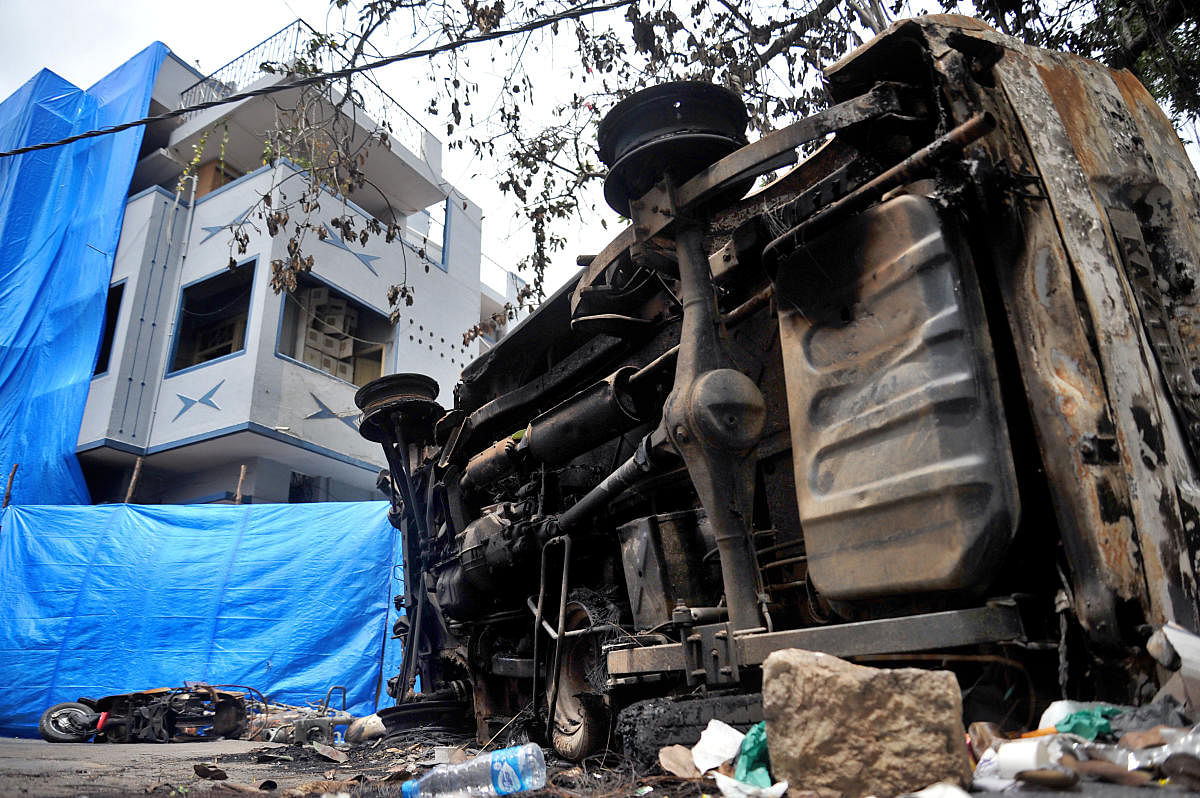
point(803, 25)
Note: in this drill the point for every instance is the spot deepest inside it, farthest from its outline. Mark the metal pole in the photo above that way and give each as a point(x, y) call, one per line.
point(562, 623)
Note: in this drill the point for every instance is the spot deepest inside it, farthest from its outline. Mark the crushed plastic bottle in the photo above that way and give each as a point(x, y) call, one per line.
point(503, 772)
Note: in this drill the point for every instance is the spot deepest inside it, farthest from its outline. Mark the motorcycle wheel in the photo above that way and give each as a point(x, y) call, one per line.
point(68, 722)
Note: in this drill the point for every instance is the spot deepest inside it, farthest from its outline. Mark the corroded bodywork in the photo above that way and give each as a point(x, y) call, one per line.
point(934, 388)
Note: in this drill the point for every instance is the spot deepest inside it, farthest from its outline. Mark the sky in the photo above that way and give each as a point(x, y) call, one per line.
point(83, 40)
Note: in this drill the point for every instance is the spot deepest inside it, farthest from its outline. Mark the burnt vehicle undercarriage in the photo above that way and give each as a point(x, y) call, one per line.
point(930, 395)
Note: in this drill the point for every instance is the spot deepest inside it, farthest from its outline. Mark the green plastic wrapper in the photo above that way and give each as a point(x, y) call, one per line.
point(1088, 723)
point(753, 765)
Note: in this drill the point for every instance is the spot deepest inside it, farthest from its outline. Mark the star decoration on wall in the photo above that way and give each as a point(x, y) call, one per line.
point(212, 231)
point(333, 239)
point(326, 411)
point(206, 400)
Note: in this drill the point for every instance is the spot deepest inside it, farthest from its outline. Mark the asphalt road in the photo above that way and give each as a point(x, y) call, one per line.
point(67, 770)
point(61, 770)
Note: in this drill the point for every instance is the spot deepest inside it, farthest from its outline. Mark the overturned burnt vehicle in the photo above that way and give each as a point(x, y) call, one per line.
point(930, 395)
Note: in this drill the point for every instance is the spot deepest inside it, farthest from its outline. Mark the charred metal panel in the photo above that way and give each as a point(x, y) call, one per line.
point(904, 476)
point(1060, 115)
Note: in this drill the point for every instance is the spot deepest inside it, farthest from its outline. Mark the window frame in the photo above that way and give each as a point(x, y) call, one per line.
point(390, 353)
point(178, 318)
point(122, 283)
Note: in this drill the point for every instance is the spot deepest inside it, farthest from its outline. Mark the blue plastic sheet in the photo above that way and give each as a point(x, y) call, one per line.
point(60, 219)
point(290, 599)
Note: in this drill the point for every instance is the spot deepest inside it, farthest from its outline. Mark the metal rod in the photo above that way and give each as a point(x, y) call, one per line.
point(133, 480)
point(747, 308)
point(406, 486)
point(8, 488)
point(591, 630)
point(656, 371)
point(410, 647)
point(915, 165)
point(791, 544)
point(329, 694)
point(785, 561)
point(616, 483)
point(562, 623)
point(537, 620)
point(794, 585)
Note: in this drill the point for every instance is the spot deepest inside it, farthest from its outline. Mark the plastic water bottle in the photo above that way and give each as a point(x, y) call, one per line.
point(503, 772)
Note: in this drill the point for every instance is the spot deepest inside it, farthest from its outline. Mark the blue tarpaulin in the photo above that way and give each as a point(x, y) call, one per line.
point(60, 219)
point(290, 599)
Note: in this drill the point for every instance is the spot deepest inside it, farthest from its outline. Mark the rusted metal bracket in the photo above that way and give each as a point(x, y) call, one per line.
point(711, 655)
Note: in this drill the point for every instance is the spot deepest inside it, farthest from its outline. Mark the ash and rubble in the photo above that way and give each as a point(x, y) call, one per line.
point(831, 729)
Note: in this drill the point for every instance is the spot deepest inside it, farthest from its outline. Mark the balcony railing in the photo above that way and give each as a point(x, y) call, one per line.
point(286, 47)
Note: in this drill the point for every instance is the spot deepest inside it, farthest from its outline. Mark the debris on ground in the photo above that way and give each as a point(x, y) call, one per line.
point(677, 760)
point(329, 752)
point(718, 745)
point(832, 728)
point(368, 727)
point(507, 771)
point(207, 771)
point(1098, 742)
point(753, 764)
point(738, 763)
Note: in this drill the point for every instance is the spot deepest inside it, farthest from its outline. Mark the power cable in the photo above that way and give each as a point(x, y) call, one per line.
point(541, 22)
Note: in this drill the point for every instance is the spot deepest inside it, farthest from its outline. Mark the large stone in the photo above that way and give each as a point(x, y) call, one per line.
point(847, 730)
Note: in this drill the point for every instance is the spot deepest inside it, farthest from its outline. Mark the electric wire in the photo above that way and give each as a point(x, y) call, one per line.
point(541, 22)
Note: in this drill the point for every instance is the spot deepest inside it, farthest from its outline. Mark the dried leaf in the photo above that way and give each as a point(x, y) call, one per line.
point(677, 760)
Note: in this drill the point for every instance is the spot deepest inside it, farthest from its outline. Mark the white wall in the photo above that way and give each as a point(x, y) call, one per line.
point(259, 386)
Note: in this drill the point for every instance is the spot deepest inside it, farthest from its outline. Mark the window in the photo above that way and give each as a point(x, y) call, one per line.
point(212, 317)
point(427, 233)
point(112, 309)
point(329, 331)
point(304, 488)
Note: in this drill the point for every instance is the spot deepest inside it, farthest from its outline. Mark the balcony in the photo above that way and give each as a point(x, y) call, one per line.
point(411, 177)
point(285, 47)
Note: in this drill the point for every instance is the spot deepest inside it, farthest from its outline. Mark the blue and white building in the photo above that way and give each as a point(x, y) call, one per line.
point(204, 369)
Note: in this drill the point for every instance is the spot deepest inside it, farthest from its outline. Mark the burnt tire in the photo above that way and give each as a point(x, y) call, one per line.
point(647, 726)
point(68, 722)
point(581, 716)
